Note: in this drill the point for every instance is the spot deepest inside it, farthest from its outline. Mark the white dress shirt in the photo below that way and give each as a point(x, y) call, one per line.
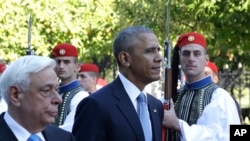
point(21, 133)
point(131, 89)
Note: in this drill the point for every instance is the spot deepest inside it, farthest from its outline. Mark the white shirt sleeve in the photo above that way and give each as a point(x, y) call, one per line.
point(69, 121)
point(214, 123)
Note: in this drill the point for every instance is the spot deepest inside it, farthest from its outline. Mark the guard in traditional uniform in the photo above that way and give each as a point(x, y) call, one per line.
point(212, 70)
point(66, 56)
point(202, 110)
point(88, 77)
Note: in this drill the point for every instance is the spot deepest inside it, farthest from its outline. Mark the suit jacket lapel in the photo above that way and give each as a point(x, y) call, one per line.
point(127, 109)
point(48, 134)
point(154, 116)
point(5, 131)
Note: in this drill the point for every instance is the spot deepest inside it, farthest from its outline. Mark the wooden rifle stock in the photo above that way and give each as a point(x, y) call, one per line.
point(166, 104)
point(168, 85)
point(168, 71)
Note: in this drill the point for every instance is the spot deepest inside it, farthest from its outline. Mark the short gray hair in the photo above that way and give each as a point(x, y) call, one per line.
point(127, 38)
point(18, 73)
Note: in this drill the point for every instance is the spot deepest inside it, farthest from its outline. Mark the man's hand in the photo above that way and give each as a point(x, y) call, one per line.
point(170, 119)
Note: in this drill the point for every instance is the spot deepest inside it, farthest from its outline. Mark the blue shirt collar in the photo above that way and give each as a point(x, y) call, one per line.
point(68, 87)
point(198, 84)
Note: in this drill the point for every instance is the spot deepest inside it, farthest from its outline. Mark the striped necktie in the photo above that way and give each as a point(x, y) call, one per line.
point(34, 137)
point(144, 116)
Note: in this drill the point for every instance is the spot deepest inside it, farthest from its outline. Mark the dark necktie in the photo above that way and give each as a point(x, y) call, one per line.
point(34, 137)
point(144, 117)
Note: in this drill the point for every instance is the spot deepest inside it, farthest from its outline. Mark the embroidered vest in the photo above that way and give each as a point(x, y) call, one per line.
point(190, 105)
point(64, 108)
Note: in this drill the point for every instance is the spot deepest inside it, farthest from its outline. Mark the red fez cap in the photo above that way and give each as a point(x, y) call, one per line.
point(64, 49)
point(213, 67)
point(89, 67)
point(2, 67)
point(191, 38)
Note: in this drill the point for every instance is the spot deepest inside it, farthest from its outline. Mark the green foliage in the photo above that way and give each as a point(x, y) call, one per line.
point(91, 25)
point(226, 26)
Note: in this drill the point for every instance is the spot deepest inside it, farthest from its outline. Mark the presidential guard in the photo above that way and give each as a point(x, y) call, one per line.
point(66, 56)
point(88, 77)
point(202, 110)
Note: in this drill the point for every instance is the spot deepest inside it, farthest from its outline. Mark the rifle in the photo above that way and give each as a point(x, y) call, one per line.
point(28, 48)
point(168, 71)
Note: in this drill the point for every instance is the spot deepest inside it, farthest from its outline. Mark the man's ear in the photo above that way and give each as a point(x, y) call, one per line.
point(216, 79)
point(124, 58)
point(95, 79)
point(16, 95)
point(207, 59)
point(77, 68)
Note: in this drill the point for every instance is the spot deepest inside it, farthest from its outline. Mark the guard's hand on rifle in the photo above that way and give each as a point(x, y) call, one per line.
point(170, 119)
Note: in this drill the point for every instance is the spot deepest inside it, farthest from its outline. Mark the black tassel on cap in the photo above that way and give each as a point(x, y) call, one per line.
point(175, 71)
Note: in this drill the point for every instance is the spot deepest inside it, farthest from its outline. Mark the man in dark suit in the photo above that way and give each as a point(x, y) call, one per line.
point(29, 87)
point(110, 114)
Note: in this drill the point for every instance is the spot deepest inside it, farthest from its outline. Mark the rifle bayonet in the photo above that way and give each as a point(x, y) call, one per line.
point(167, 58)
point(28, 49)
